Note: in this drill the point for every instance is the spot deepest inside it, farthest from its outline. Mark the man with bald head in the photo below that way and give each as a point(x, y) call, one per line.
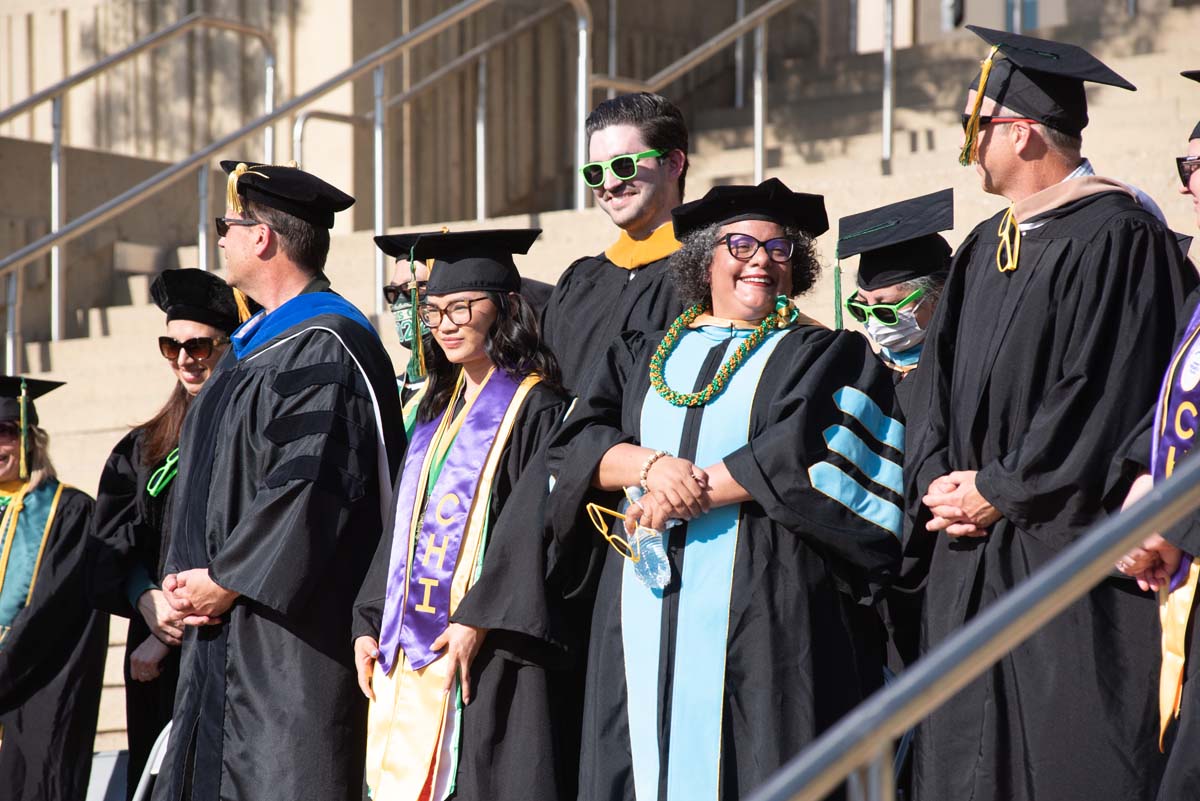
point(1046, 349)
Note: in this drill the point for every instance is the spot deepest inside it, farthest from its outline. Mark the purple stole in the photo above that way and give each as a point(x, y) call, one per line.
point(417, 608)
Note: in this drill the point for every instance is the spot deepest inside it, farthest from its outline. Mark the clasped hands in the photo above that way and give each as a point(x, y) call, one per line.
point(460, 641)
point(198, 599)
point(1156, 561)
point(957, 506)
point(676, 490)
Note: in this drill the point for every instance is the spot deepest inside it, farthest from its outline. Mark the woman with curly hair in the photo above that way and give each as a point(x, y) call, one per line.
point(761, 459)
point(454, 637)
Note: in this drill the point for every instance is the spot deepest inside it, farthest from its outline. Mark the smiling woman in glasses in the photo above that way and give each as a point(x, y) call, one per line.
point(136, 487)
point(762, 458)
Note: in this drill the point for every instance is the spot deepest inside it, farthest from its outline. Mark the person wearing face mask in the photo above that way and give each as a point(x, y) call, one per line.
point(131, 525)
point(901, 271)
point(454, 637)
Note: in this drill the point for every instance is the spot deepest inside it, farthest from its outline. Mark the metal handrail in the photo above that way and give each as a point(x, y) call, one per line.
point(863, 739)
point(730, 35)
point(373, 61)
point(55, 94)
point(169, 176)
point(477, 53)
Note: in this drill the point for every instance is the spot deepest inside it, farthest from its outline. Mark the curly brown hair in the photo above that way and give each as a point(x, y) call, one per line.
point(690, 264)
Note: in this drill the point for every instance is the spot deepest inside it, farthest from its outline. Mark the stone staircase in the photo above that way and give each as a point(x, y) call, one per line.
point(823, 139)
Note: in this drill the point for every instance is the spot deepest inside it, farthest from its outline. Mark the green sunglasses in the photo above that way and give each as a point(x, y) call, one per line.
point(885, 313)
point(624, 167)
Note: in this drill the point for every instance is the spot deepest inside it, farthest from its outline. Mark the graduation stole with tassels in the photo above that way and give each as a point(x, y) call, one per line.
point(1009, 249)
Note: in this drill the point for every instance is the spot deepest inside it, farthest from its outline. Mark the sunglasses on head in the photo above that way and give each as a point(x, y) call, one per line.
point(623, 167)
point(224, 223)
point(1187, 166)
point(884, 313)
point(393, 292)
point(198, 348)
point(986, 120)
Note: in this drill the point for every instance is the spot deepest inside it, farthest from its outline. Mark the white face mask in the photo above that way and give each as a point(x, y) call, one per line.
point(905, 334)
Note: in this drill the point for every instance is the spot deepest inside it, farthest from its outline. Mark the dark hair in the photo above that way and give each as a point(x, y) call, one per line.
point(690, 265)
point(160, 434)
point(307, 245)
point(660, 122)
point(514, 344)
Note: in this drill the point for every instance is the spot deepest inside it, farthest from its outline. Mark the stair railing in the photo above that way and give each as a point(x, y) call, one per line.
point(477, 55)
point(858, 749)
point(755, 21)
point(55, 94)
point(373, 62)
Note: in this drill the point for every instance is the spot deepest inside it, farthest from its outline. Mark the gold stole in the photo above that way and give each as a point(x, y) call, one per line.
point(406, 723)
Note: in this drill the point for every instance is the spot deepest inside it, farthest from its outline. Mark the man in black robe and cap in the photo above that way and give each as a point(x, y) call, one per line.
point(638, 145)
point(287, 461)
point(1048, 346)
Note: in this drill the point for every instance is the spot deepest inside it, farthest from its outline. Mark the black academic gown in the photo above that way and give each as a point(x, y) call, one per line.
point(1034, 378)
point(594, 301)
point(508, 751)
point(279, 497)
point(52, 670)
point(128, 528)
point(1181, 777)
point(803, 644)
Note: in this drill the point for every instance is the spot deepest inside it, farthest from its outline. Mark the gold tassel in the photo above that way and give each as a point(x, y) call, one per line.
point(243, 307)
point(232, 199)
point(970, 148)
point(24, 443)
point(1009, 250)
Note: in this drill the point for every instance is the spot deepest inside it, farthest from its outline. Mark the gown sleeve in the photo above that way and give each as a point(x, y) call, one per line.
point(1111, 321)
point(510, 596)
point(45, 633)
point(592, 426)
point(826, 466)
point(320, 464)
point(118, 525)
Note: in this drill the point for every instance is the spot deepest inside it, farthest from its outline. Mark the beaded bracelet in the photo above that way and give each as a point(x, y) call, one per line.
point(654, 457)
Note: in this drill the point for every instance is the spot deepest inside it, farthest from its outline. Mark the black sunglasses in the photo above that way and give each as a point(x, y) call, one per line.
point(223, 224)
point(393, 292)
point(1187, 166)
point(198, 348)
point(987, 120)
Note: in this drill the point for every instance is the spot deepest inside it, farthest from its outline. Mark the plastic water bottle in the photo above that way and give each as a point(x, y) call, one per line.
point(650, 550)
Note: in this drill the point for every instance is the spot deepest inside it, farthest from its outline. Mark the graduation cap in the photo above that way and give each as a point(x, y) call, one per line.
point(899, 242)
point(17, 394)
point(287, 188)
point(478, 260)
point(191, 294)
point(771, 200)
point(1041, 79)
point(1193, 75)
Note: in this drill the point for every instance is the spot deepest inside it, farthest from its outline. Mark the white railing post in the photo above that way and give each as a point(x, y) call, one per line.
point(269, 106)
point(889, 91)
point(760, 102)
point(56, 219)
point(11, 343)
point(481, 89)
point(380, 127)
point(739, 62)
point(203, 222)
point(583, 102)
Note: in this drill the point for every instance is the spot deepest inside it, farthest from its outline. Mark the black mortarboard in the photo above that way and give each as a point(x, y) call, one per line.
point(466, 260)
point(10, 396)
point(1195, 76)
point(770, 200)
point(1041, 79)
point(191, 294)
point(899, 242)
point(287, 188)
point(399, 246)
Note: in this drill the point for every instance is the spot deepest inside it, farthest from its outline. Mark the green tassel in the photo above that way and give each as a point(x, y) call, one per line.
point(837, 294)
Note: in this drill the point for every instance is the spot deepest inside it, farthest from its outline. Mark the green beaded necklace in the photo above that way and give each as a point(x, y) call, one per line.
point(785, 314)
